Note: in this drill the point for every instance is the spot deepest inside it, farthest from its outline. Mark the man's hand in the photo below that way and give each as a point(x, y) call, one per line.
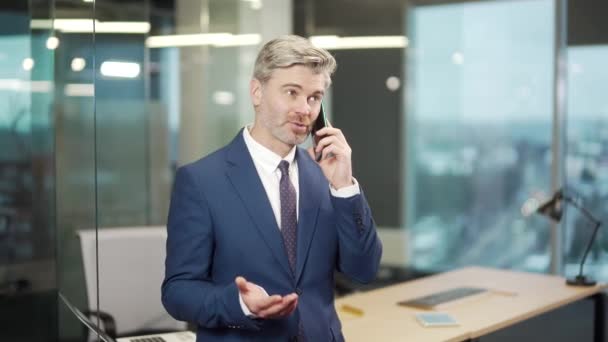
point(336, 158)
point(262, 305)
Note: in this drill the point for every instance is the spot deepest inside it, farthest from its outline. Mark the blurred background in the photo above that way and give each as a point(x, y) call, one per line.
point(462, 116)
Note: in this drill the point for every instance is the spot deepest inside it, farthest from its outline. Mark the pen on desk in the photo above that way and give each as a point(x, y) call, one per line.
point(504, 292)
point(351, 309)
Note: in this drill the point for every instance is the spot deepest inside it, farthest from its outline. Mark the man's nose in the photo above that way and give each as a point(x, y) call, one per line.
point(303, 107)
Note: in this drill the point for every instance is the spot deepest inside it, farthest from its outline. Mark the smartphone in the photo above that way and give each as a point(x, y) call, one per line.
point(320, 123)
point(436, 319)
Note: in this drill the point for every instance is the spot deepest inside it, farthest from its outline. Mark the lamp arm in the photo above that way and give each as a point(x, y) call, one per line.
point(582, 209)
point(597, 223)
point(595, 229)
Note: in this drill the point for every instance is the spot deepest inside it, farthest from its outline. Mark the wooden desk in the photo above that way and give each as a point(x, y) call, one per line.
point(513, 297)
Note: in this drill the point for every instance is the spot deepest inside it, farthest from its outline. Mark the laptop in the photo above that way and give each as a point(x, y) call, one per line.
point(180, 336)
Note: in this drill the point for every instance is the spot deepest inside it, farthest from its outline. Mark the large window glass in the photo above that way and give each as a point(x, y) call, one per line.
point(478, 132)
point(587, 158)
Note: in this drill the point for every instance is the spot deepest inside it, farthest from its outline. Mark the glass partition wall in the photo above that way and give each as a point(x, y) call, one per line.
point(75, 161)
point(167, 84)
point(95, 116)
point(188, 96)
point(27, 217)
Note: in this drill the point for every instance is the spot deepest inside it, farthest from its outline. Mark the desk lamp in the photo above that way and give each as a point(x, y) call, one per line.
point(553, 209)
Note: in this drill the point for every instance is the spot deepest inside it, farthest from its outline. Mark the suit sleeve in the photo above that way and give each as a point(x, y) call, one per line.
point(188, 292)
point(359, 247)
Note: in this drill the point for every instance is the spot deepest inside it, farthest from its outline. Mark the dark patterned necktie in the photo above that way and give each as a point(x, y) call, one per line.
point(289, 218)
point(289, 222)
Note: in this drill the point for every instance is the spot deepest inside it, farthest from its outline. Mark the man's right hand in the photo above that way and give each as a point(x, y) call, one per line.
point(261, 304)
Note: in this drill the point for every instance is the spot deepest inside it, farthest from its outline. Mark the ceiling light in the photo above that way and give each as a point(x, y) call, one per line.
point(86, 26)
point(78, 64)
point(27, 64)
point(120, 69)
point(202, 39)
point(362, 42)
point(52, 43)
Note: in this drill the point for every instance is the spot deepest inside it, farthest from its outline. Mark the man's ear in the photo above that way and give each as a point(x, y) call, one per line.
point(255, 91)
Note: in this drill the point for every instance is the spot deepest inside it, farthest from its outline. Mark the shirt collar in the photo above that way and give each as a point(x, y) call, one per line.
point(264, 157)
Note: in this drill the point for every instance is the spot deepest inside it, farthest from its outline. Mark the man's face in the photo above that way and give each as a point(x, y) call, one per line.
point(286, 106)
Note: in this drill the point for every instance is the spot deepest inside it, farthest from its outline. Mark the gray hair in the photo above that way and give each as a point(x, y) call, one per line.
point(286, 51)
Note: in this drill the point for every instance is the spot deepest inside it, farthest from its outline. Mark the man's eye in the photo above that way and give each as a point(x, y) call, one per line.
point(291, 92)
point(314, 99)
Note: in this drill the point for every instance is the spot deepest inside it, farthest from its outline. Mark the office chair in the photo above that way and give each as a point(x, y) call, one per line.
point(131, 270)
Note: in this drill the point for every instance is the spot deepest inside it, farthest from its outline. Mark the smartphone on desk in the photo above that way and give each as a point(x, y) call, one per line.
point(436, 319)
point(320, 123)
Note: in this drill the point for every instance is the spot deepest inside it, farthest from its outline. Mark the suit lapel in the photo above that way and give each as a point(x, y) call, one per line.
point(310, 199)
point(246, 181)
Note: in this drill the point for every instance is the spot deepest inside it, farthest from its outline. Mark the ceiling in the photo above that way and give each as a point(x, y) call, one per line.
point(586, 18)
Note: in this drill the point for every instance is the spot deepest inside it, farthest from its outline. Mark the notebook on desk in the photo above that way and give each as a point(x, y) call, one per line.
point(437, 298)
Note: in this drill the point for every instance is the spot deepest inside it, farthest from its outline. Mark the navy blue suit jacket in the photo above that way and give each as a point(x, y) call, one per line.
point(221, 225)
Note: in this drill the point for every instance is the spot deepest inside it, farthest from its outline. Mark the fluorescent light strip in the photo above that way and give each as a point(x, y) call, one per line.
point(42, 24)
point(120, 69)
point(202, 39)
point(86, 26)
point(121, 27)
point(26, 86)
point(79, 89)
point(240, 40)
point(363, 42)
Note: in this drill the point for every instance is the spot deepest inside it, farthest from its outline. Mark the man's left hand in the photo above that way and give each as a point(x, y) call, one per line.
point(336, 157)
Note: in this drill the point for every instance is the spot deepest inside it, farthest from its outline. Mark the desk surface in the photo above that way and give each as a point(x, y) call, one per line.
point(513, 297)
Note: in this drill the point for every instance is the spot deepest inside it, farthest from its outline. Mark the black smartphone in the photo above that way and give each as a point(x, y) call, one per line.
point(320, 123)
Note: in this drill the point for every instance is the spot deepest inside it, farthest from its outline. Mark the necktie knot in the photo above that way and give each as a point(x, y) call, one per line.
point(284, 167)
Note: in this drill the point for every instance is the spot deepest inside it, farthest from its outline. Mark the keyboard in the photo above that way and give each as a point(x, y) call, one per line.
point(180, 336)
point(148, 339)
point(432, 300)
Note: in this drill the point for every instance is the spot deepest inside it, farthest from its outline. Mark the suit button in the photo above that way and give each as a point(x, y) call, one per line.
point(299, 291)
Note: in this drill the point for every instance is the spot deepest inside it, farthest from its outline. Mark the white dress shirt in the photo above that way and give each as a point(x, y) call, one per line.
point(266, 163)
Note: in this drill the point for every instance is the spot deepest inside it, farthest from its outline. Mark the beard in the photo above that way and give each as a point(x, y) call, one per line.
point(283, 132)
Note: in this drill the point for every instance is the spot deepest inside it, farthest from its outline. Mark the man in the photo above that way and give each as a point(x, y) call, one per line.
point(256, 229)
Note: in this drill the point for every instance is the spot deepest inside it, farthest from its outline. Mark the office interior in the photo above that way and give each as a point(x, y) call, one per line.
point(463, 116)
